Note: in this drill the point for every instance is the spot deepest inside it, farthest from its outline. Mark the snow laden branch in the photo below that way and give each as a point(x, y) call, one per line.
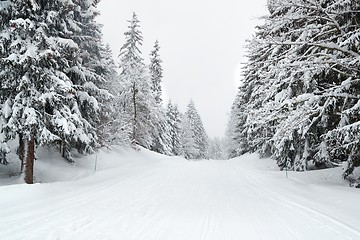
point(324, 45)
point(301, 86)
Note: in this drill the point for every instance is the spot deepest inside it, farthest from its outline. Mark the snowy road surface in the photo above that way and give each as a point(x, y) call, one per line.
point(153, 197)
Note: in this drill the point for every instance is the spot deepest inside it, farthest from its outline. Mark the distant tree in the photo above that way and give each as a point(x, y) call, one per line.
point(190, 150)
point(216, 149)
point(174, 122)
point(195, 130)
point(156, 73)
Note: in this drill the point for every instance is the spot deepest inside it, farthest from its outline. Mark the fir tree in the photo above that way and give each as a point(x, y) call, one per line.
point(195, 134)
point(44, 80)
point(190, 150)
point(216, 149)
point(161, 142)
point(161, 138)
point(135, 95)
point(174, 122)
point(107, 128)
point(301, 85)
point(156, 72)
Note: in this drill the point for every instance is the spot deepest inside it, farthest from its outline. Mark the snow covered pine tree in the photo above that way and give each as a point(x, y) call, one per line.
point(195, 141)
point(161, 133)
point(301, 85)
point(174, 122)
point(136, 100)
point(43, 80)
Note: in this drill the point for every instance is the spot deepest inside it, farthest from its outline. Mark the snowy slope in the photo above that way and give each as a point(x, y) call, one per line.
point(147, 196)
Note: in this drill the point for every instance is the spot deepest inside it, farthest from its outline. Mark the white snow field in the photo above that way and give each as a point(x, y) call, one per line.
point(147, 196)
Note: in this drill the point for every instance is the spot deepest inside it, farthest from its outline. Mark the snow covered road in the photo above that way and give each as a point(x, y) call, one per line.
point(154, 197)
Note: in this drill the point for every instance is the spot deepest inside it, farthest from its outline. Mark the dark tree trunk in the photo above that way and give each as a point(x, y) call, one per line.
point(21, 151)
point(135, 114)
point(30, 159)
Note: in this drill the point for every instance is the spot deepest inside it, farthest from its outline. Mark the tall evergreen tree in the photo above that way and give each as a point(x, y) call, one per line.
point(301, 85)
point(136, 99)
point(161, 138)
point(197, 132)
point(174, 122)
point(5, 15)
point(44, 81)
point(156, 72)
point(216, 149)
point(98, 67)
point(190, 150)
point(111, 129)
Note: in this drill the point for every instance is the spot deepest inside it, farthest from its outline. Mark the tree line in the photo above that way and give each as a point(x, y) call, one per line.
point(60, 87)
point(299, 100)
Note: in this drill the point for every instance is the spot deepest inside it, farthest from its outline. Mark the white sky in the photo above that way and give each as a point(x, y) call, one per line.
point(202, 45)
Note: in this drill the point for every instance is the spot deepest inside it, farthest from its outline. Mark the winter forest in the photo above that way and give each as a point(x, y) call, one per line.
point(298, 101)
point(92, 146)
point(300, 98)
point(61, 88)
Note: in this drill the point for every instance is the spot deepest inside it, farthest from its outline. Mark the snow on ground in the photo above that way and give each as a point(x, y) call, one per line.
point(146, 196)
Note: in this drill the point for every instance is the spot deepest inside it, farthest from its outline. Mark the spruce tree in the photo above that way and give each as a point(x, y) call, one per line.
point(301, 85)
point(195, 134)
point(216, 149)
point(174, 122)
point(156, 72)
point(161, 138)
point(190, 150)
point(45, 84)
point(110, 130)
point(135, 96)
point(5, 14)
point(98, 67)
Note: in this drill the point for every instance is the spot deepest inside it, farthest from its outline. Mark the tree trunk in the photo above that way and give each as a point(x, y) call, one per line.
point(22, 151)
point(135, 114)
point(30, 159)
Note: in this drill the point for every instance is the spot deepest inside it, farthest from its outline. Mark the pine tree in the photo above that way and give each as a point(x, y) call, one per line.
point(190, 150)
point(301, 85)
point(5, 14)
point(135, 95)
point(110, 130)
point(195, 130)
point(44, 81)
point(216, 149)
point(161, 138)
point(96, 71)
point(174, 122)
point(236, 142)
point(98, 65)
point(156, 73)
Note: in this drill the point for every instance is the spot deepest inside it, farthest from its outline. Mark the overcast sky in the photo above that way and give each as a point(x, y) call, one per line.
point(202, 46)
